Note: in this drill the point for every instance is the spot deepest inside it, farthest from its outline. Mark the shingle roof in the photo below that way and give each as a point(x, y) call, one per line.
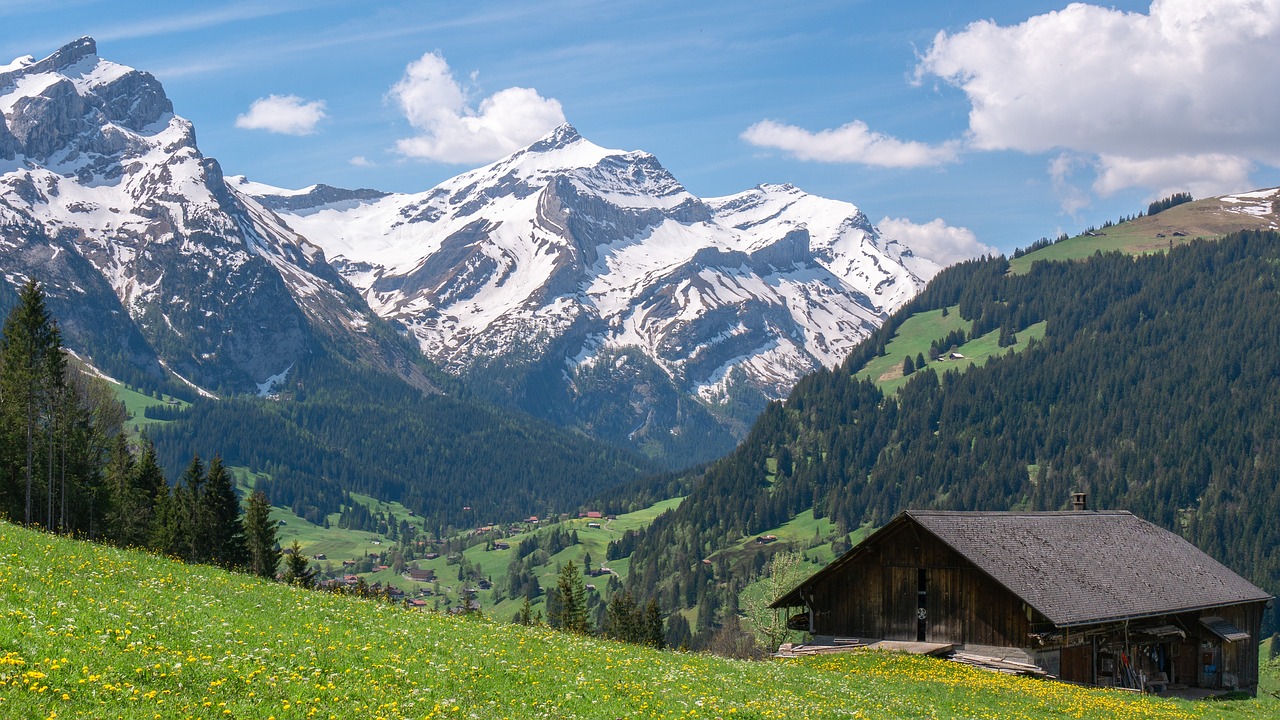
point(1086, 567)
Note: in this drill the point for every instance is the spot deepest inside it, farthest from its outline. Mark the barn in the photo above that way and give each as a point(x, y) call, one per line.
point(1096, 598)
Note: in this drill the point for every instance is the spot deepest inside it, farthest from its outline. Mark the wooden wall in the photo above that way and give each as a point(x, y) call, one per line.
point(875, 596)
point(1240, 658)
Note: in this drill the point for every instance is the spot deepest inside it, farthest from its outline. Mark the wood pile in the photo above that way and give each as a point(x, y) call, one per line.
point(1000, 665)
point(838, 645)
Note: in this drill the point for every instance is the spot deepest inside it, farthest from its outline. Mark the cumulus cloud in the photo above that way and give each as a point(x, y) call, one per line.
point(1183, 95)
point(851, 143)
point(452, 130)
point(285, 114)
point(1200, 175)
point(361, 161)
point(935, 240)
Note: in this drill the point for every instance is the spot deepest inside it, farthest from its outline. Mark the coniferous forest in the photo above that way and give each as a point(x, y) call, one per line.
point(67, 466)
point(1154, 390)
point(341, 428)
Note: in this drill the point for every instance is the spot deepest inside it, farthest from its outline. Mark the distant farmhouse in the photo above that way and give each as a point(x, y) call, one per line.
point(1097, 598)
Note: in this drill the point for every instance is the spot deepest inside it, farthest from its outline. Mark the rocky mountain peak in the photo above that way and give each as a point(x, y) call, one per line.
point(63, 58)
point(561, 137)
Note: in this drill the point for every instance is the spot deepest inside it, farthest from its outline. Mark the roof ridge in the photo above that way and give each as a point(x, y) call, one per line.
point(1020, 513)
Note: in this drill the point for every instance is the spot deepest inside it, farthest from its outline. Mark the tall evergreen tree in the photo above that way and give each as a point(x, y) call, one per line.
point(127, 523)
point(189, 499)
point(571, 602)
point(168, 534)
point(622, 618)
point(653, 634)
point(260, 537)
point(297, 569)
point(221, 511)
point(31, 374)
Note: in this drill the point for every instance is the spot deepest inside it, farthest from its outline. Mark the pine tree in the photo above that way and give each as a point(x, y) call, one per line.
point(31, 373)
point(222, 513)
point(168, 535)
point(189, 499)
point(127, 526)
point(622, 618)
point(571, 602)
point(260, 537)
point(652, 632)
point(297, 569)
point(525, 615)
point(908, 365)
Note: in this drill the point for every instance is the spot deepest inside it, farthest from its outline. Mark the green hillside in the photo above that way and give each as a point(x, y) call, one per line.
point(93, 632)
point(1151, 386)
point(1210, 218)
point(342, 429)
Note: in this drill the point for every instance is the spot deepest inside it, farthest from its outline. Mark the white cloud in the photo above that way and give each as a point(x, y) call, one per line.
point(1182, 95)
point(851, 143)
point(453, 131)
point(361, 161)
point(1061, 169)
point(935, 240)
point(1200, 175)
point(285, 114)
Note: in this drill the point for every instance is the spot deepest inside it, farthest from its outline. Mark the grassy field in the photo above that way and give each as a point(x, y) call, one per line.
point(1209, 218)
point(135, 403)
point(92, 632)
point(915, 335)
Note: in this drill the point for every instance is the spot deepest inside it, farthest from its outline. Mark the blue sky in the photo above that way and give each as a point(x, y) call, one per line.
point(1004, 121)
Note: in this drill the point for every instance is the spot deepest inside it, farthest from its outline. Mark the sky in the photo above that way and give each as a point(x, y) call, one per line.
point(960, 128)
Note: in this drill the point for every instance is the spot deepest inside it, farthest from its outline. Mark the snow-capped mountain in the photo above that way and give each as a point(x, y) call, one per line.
point(567, 262)
point(582, 284)
point(150, 260)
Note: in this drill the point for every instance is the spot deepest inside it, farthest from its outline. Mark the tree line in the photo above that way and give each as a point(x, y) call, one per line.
point(67, 465)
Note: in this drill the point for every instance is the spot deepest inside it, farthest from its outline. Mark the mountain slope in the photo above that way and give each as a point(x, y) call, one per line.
point(105, 197)
point(164, 277)
point(567, 268)
point(1152, 389)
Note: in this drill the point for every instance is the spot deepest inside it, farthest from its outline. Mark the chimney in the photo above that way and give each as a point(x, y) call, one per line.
point(1079, 501)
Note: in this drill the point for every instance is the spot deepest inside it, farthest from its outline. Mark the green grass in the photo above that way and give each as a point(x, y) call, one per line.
point(92, 632)
point(918, 331)
point(135, 403)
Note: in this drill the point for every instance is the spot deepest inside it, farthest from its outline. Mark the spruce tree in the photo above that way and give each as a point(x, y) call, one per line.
point(125, 524)
point(189, 500)
point(571, 602)
point(260, 537)
point(221, 512)
point(168, 534)
point(622, 618)
point(31, 374)
point(297, 569)
point(653, 634)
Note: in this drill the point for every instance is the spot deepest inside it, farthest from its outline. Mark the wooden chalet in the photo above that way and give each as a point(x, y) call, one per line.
point(1096, 598)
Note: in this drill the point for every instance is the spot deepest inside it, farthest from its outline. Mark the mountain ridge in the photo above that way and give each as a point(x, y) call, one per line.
point(565, 257)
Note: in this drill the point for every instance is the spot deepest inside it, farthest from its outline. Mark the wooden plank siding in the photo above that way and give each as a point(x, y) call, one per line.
point(1239, 659)
point(876, 596)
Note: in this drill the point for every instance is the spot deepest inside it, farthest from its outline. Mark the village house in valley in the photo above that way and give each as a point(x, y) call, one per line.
point(1097, 598)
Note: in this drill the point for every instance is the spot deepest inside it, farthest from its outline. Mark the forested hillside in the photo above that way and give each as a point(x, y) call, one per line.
point(338, 427)
point(1154, 389)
